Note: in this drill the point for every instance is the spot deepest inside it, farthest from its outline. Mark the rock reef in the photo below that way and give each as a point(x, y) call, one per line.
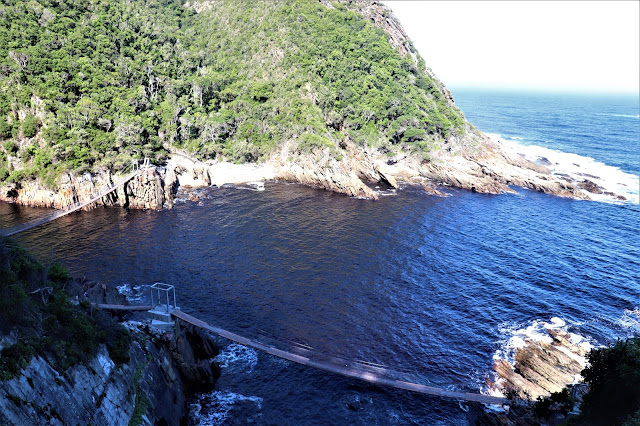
point(543, 366)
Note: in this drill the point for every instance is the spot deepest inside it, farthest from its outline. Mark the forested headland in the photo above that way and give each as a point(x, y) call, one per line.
point(86, 84)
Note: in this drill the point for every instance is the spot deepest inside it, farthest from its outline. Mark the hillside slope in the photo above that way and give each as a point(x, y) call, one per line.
point(328, 93)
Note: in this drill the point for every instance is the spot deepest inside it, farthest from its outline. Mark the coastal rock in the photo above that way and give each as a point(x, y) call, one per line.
point(542, 366)
point(96, 292)
point(321, 169)
point(144, 191)
point(98, 393)
point(432, 191)
point(193, 352)
point(590, 186)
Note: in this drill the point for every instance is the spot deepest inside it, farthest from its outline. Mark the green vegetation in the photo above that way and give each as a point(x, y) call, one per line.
point(35, 307)
point(563, 399)
point(613, 375)
point(142, 400)
point(86, 84)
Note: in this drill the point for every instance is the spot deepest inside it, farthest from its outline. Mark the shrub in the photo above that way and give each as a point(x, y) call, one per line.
point(5, 128)
point(613, 376)
point(50, 327)
point(10, 147)
point(58, 273)
point(30, 126)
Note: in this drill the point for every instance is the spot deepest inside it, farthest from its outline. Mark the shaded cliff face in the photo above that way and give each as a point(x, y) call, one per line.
point(98, 393)
point(66, 363)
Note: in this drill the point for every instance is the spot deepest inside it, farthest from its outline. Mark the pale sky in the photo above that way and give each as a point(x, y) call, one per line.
point(581, 46)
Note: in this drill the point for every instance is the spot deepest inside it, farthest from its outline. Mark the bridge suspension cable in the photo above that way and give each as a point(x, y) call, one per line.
point(133, 168)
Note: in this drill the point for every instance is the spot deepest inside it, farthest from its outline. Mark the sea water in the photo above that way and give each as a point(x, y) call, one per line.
point(432, 288)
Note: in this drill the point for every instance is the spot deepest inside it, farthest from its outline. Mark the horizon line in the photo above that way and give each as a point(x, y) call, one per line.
point(544, 89)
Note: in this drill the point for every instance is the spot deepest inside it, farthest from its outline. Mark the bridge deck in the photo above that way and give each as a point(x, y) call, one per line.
point(70, 209)
point(344, 370)
point(129, 308)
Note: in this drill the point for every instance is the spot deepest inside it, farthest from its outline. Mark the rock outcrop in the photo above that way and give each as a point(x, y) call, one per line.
point(488, 170)
point(98, 393)
point(193, 352)
point(150, 189)
point(543, 366)
point(154, 385)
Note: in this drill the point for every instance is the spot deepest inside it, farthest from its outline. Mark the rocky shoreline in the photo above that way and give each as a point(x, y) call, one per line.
point(543, 363)
point(487, 168)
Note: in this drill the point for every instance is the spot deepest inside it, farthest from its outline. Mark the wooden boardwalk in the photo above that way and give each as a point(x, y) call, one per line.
point(70, 209)
point(127, 308)
point(377, 377)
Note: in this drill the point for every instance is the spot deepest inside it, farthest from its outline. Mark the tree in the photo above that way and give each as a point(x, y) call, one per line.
point(30, 126)
point(613, 376)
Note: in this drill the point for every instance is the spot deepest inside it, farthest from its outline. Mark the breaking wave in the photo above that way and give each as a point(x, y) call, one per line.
point(216, 407)
point(236, 357)
point(133, 293)
point(578, 168)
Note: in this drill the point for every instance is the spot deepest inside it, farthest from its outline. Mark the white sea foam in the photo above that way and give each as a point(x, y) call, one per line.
point(578, 168)
point(236, 357)
point(132, 293)
point(518, 335)
point(386, 192)
point(622, 115)
point(213, 408)
point(630, 321)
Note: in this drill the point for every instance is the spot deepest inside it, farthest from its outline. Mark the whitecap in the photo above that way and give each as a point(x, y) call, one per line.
point(630, 321)
point(132, 293)
point(237, 357)
point(386, 192)
point(621, 115)
point(215, 407)
point(578, 168)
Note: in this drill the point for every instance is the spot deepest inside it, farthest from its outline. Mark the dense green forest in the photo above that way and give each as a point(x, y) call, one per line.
point(94, 83)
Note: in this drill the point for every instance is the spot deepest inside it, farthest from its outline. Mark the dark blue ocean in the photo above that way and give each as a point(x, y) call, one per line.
point(431, 287)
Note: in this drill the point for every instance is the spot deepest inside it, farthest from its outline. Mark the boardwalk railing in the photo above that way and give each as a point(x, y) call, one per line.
point(70, 209)
point(372, 375)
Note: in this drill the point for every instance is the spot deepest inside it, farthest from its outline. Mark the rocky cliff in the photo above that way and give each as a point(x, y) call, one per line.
point(64, 361)
point(97, 393)
point(151, 388)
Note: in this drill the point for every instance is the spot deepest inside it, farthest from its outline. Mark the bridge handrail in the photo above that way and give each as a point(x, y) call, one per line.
point(69, 209)
point(342, 369)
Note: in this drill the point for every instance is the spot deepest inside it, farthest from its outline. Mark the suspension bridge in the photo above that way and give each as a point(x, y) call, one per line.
point(164, 314)
point(131, 171)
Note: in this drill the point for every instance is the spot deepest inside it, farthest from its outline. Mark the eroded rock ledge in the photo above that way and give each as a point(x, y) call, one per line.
point(543, 366)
